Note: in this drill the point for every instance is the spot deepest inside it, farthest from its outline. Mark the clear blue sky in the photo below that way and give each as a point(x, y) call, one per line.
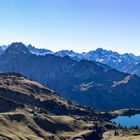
point(80, 25)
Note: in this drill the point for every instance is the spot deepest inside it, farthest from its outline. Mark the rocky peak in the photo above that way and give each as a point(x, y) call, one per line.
point(17, 48)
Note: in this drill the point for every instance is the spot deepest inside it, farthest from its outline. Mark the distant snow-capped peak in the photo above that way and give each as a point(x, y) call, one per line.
point(38, 51)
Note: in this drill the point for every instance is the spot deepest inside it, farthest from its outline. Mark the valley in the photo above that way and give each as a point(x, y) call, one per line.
point(83, 82)
point(23, 114)
point(69, 70)
point(31, 111)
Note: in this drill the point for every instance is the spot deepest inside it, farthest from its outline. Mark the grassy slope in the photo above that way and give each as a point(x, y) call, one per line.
point(27, 125)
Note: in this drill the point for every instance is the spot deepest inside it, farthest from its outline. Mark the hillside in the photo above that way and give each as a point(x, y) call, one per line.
point(31, 124)
point(16, 87)
point(24, 116)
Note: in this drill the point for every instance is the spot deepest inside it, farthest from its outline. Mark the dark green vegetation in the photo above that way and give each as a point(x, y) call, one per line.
point(82, 81)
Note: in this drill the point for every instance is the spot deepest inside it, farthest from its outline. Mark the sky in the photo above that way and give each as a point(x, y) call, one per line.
point(79, 25)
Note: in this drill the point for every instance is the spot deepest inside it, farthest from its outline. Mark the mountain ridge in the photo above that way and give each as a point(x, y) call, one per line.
point(128, 62)
point(82, 81)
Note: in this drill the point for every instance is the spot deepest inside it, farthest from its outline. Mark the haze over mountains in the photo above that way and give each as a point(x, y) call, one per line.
point(86, 82)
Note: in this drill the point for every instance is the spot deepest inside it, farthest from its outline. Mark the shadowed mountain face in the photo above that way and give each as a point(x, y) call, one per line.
point(82, 81)
point(127, 63)
point(14, 86)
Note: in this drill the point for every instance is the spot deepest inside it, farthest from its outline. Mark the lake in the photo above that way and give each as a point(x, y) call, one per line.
point(128, 121)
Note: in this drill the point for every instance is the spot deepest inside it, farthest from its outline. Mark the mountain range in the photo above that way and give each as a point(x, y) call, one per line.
point(127, 63)
point(85, 82)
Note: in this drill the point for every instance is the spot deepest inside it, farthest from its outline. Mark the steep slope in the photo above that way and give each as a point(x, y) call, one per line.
point(38, 51)
point(24, 116)
point(24, 120)
point(16, 87)
point(2, 49)
point(82, 81)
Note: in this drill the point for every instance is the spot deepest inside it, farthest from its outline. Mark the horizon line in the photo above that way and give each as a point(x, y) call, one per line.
point(27, 44)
